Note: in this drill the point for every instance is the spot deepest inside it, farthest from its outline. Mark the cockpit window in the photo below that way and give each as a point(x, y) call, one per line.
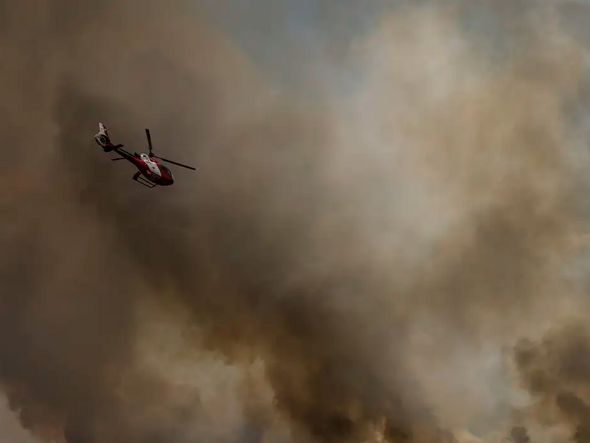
point(166, 170)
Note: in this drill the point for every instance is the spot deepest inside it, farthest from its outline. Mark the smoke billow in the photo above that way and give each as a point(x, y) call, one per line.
point(556, 373)
point(335, 268)
point(519, 434)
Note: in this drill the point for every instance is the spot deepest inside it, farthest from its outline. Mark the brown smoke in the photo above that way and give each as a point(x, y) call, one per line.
point(519, 434)
point(328, 257)
point(556, 372)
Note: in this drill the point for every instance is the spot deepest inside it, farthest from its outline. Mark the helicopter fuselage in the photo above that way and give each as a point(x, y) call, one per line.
point(150, 168)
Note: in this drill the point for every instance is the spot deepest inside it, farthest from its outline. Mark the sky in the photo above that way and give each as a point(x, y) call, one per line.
point(299, 43)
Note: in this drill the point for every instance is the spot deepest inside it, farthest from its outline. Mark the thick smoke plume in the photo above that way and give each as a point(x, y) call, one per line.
point(556, 372)
point(335, 268)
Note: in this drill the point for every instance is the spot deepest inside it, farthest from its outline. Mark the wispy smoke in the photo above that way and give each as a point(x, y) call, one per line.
point(331, 260)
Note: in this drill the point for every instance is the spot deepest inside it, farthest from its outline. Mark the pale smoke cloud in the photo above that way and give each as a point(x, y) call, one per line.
point(11, 429)
point(467, 212)
point(336, 272)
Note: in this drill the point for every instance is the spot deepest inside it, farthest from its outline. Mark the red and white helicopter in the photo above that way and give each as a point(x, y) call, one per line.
point(151, 171)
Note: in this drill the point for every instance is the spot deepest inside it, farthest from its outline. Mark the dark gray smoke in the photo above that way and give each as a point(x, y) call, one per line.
point(556, 372)
point(331, 253)
point(519, 434)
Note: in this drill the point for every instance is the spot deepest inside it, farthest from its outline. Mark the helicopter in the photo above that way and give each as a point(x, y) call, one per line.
point(151, 172)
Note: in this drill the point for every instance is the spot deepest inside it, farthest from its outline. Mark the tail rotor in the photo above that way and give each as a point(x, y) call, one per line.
point(103, 139)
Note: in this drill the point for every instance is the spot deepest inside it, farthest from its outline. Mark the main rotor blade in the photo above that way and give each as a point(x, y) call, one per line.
point(176, 163)
point(149, 137)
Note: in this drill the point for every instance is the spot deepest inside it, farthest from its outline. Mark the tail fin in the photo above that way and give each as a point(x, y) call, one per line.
point(103, 139)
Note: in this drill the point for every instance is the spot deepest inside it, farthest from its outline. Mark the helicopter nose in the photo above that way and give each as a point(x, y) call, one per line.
point(166, 179)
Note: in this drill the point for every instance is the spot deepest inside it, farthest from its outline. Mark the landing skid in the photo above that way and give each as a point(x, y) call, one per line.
point(142, 181)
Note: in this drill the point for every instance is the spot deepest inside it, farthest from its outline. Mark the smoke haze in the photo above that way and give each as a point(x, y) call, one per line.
point(390, 251)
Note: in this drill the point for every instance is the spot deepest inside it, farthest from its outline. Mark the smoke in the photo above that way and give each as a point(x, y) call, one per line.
point(555, 372)
point(336, 270)
point(519, 434)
